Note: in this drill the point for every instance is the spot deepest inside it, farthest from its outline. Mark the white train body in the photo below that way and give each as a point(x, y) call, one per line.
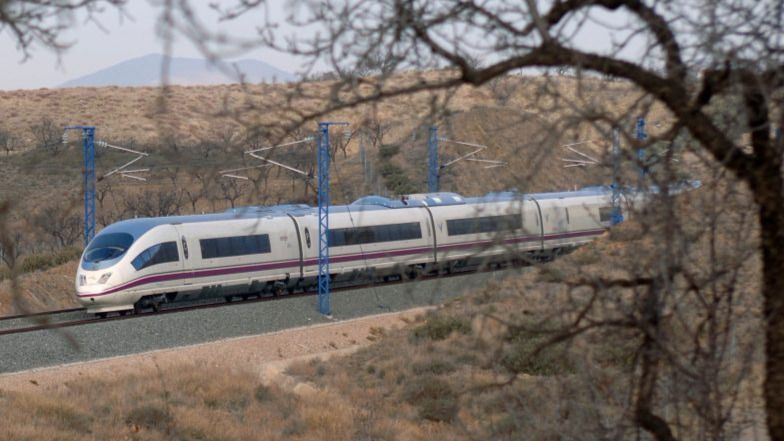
point(255, 249)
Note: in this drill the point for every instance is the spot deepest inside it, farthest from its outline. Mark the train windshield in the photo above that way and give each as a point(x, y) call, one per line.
point(107, 246)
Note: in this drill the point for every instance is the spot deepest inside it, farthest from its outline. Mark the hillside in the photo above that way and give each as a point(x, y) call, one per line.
point(192, 133)
point(480, 367)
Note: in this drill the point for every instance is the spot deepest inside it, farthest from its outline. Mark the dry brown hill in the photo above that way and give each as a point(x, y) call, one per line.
point(194, 132)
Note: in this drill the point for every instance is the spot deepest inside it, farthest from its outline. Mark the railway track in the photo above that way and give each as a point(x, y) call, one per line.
point(39, 314)
point(49, 320)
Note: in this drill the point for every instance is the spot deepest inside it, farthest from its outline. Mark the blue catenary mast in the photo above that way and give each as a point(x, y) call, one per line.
point(617, 213)
point(88, 148)
point(323, 216)
point(641, 135)
point(432, 160)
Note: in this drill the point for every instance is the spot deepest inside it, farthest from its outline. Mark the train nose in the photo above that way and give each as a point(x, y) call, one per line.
point(89, 284)
point(92, 278)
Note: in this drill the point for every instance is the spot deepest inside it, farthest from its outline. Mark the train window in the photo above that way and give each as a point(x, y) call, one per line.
point(160, 253)
point(107, 246)
point(341, 237)
point(567, 215)
point(235, 246)
point(307, 237)
point(488, 224)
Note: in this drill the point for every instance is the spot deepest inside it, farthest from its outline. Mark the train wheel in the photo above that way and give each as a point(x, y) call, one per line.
point(101, 315)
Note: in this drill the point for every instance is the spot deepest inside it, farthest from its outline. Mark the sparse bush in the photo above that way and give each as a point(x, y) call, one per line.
point(434, 398)
point(47, 135)
point(387, 151)
point(522, 357)
point(434, 367)
point(8, 141)
point(38, 262)
point(396, 179)
point(60, 224)
point(295, 427)
point(151, 416)
point(68, 418)
point(440, 327)
point(234, 403)
point(262, 393)
point(506, 427)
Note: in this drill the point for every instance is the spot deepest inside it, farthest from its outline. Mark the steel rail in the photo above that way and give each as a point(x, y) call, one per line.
point(40, 314)
point(221, 301)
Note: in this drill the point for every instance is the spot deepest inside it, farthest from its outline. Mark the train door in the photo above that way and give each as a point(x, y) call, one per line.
point(184, 247)
point(308, 226)
point(538, 223)
point(303, 241)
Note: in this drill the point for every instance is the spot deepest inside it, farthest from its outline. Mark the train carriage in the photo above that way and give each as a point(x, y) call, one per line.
point(141, 263)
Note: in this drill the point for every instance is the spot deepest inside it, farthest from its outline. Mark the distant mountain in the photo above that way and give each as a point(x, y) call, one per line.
point(146, 71)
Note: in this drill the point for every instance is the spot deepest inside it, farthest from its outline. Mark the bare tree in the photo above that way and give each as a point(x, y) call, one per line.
point(694, 59)
point(42, 21)
point(60, 224)
point(11, 248)
point(232, 190)
point(153, 203)
point(47, 135)
point(8, 141)
point(194, 192)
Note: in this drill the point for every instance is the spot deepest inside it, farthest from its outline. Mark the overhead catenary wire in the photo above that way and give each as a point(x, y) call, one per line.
point(583, 159)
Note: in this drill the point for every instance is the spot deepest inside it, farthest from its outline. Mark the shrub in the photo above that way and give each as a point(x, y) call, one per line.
point(396, 179)
point(549, 360)
point(435, 367)
point(387, 151)
point(295, 427)
point(262, 393)
point(434, 398)
point(37, 262)
point(441, 327)
point(151, 416)
point(68, 418)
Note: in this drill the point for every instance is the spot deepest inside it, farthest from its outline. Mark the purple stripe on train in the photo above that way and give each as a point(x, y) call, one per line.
point(337, 259)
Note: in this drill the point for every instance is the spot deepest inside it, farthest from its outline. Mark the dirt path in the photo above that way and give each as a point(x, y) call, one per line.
point(261, 353)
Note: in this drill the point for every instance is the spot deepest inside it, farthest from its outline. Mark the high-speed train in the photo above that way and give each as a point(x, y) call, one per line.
point(141, 263)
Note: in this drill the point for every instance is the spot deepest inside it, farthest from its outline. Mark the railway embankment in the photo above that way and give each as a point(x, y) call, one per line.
point(120, 336)
point(470, 368)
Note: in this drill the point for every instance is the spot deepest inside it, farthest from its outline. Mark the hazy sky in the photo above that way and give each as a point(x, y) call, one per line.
point(133, 34)
point(94, 48)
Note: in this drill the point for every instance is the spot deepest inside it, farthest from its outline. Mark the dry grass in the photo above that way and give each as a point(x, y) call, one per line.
point(513, 116)
point(45, 290)
point(446, 375)
point(461, 373)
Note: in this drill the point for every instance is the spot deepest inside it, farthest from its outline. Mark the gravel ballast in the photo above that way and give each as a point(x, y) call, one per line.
point(44, 348)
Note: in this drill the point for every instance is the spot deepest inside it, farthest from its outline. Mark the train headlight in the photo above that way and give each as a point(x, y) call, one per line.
point(82, 280)
point(104, 278)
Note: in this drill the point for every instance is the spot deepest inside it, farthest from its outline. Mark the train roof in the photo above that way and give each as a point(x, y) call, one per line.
point(138, 226)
